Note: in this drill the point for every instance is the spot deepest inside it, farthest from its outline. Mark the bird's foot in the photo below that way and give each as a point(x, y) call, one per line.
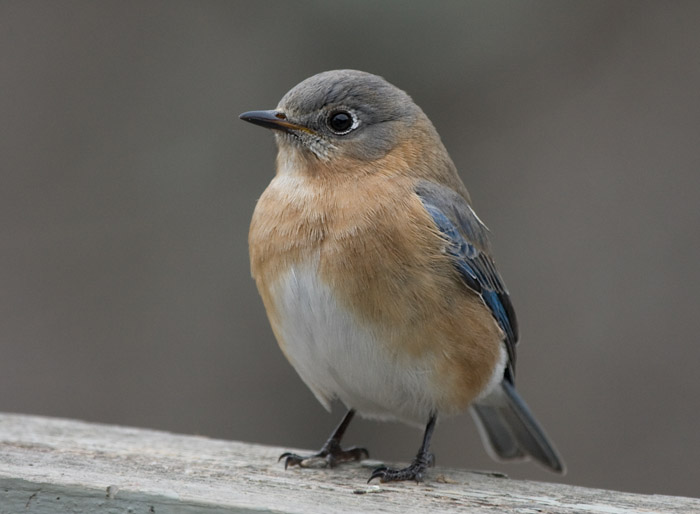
point(413, 472)
point(328, 457)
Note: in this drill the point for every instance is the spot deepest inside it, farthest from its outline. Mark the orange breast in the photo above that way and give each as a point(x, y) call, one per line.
point(379, 252)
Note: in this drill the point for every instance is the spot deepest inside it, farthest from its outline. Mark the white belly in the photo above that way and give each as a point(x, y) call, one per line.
point(338, 358)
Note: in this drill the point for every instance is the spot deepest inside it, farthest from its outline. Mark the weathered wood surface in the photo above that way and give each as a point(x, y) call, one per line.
point(55, 466)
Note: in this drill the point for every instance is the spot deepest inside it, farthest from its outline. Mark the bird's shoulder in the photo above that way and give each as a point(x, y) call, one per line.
point(468, 244)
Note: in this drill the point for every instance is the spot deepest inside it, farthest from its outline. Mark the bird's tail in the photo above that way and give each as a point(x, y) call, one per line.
point(510, 431)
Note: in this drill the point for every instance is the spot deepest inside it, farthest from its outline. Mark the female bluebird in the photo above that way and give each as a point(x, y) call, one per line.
point(377, 275)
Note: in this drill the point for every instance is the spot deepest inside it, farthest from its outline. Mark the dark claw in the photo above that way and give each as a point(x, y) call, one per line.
point(331, 452)
point(385, 474)
point(378, 473)
point(333, 456)
point(291, 458)
point(413, 472)
point(354, 453)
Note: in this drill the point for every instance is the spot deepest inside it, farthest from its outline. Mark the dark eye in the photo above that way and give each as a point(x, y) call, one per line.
point(341, 122)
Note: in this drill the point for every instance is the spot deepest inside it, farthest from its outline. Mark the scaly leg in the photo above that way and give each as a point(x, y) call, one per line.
point(331, 451)
point(415, 471)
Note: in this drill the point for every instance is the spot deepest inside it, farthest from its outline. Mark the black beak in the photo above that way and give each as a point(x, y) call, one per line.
point(271, 119)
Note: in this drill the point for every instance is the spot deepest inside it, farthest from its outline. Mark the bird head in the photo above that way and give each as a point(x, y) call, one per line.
point(341, 114)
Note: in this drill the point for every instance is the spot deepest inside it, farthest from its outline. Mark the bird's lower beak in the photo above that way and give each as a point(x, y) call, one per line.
point(271, 119)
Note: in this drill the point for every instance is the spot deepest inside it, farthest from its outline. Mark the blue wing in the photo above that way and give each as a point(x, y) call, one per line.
point(468, 243)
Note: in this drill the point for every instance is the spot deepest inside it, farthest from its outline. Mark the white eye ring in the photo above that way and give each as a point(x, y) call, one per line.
point(340, 117)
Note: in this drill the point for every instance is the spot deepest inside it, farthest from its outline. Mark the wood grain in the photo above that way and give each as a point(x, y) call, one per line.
point(52, 465)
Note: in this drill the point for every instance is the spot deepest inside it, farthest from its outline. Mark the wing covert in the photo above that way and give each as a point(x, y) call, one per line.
point(468, 244)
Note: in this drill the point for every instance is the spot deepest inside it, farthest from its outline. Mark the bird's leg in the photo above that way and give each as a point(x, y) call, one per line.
point(331, 450)
point(423, 460)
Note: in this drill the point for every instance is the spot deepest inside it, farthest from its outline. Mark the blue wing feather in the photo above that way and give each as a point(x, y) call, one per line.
point(467, 243)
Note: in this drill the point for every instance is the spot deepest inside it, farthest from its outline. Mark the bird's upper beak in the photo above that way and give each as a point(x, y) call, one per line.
point(273, 120)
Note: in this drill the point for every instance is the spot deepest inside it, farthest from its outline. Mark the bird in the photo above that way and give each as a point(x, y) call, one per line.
point(377, 275)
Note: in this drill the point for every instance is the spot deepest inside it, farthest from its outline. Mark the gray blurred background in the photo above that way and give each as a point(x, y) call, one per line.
point(127, 184)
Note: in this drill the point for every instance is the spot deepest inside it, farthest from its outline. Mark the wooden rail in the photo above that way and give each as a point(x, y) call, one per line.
point(57, 466)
